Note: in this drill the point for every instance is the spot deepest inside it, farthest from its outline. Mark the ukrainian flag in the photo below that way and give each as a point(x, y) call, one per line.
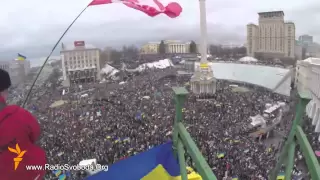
point(157, 163)
point(56, 172)
point(62, 177)
point(220, 155)
point(281, 176)
point(117, 140)
point(21, 57)
point(127, 139)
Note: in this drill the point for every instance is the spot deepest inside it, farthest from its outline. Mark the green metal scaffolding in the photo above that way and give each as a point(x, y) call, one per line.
point(297, 137)
point(183, 141)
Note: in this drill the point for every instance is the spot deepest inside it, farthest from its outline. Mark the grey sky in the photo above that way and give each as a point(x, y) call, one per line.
point(32, 27)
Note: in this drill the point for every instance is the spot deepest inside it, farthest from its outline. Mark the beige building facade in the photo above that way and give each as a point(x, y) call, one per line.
point(5, 65)
point(18, 70)
point(273, 37)
point(80, 63)
point(171, 46)
point(150, 48)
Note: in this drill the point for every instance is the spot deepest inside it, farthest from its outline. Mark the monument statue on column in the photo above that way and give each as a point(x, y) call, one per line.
point(203, 80)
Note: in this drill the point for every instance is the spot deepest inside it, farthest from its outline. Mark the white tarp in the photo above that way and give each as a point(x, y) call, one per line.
point(84, 95)
point(248, 59)
point(109, 70)
point(258, 120)
point(87, 162)
point(161, 64)
point(90, 162)
point(272, 109)
point(264, 76)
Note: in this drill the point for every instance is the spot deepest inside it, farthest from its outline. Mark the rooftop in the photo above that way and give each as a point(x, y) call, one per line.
point(267, 12)
point(264, 76)
point(71, 47)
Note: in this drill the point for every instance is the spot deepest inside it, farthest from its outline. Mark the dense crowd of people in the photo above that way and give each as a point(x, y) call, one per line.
point(109, 124)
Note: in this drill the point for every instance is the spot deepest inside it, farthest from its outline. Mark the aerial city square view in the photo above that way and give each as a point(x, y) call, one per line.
point(159, 90)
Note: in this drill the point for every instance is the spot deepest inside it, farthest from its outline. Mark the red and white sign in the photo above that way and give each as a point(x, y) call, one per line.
point(79, 43)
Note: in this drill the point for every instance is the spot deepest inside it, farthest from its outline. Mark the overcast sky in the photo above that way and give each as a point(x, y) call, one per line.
point(32, 27)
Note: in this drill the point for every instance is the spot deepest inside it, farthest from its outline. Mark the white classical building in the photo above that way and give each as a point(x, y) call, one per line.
point(313, 84)
point(171, 47)
point(302, 76)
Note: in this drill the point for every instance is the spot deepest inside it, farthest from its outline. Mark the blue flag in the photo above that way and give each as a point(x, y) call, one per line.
point(138, 115)
point(62, 177)
point(67, 173)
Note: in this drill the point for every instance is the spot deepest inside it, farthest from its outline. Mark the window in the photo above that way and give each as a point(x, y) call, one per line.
point(271, 48)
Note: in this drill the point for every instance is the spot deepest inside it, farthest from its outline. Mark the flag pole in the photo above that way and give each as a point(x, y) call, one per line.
point(45, 62)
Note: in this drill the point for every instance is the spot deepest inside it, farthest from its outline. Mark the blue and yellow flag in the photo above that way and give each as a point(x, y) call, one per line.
point(62, 177)
point(56, 172)
point(281, 176)
point(220, 155)
point(117, 140)
point(21, 57)
point(127, 139)
point(138, 115)
point(157, 163)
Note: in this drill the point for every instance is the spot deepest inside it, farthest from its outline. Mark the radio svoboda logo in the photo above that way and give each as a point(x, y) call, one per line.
point(76, 167)
point(19, 156)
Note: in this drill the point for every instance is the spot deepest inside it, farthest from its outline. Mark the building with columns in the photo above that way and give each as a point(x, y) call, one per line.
point(272, 38)
point(302, 76)
point(177, 47)
point(312, 82)
point(171, 47)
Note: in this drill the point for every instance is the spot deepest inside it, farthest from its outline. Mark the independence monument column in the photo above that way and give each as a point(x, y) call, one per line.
point(203, 80)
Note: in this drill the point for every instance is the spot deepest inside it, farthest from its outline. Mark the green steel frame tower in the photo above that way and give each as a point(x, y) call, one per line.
point(182, 140)
point(297, 137)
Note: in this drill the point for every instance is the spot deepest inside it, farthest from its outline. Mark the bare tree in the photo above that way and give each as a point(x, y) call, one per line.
point(193, 47)
point(162, 47)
